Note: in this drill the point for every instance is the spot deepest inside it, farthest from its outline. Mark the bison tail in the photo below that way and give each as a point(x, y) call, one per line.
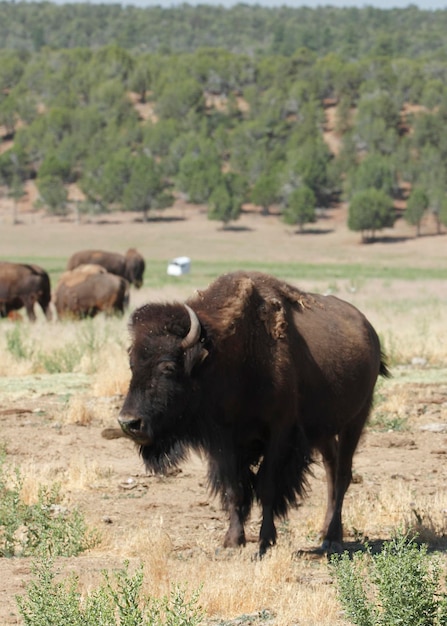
point(384, 371)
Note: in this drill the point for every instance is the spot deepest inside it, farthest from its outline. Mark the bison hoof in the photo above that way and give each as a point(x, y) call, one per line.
point(234, 541)
point(331, 547)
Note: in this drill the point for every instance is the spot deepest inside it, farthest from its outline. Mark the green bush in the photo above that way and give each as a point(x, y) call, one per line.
point(16, 343)
point(118, 601)
point(60, 360)
point(44, 527)
point(399, 585)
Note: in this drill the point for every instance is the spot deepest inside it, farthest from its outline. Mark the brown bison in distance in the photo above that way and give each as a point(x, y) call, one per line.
point(259, 375)
point(89, 290)
point(131, 266)
point(22, 285)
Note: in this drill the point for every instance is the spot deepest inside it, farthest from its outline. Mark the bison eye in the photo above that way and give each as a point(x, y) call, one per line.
point(167, 368)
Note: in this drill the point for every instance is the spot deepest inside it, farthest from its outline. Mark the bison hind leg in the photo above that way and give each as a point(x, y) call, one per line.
point(337, 458)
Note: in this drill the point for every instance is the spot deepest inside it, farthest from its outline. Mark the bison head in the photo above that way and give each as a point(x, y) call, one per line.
point(168, 345)
point(135, 266)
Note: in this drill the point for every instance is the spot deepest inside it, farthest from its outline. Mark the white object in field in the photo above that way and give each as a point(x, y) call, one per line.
point(178, 266)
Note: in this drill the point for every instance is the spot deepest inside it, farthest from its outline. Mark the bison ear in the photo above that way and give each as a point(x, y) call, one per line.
point(194, 357)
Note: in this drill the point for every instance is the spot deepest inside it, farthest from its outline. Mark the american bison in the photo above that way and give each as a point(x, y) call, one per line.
point(89, 290)
point(131, 266)
point(258, 375)
point(22, 285)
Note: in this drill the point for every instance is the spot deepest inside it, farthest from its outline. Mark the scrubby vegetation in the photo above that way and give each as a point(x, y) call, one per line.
point(225, 115)
point(400, 584)
point(42, 527)
point(118, 601)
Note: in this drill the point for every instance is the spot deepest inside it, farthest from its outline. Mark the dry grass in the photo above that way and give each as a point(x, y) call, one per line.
point(78, 411)
point(411, 325)
point(113, 377)
point(76, 474)
point(234, 584)
point(395, 504)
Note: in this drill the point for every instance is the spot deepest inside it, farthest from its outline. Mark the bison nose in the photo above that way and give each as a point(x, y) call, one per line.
point(129, 424)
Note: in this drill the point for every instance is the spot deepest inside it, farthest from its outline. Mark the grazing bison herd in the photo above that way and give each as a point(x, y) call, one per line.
point(253, 372)
point(95, 281)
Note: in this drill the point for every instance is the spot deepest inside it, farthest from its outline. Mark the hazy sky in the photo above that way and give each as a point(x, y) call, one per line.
point(381, 4)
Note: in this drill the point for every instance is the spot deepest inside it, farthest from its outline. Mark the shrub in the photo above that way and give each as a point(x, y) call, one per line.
point(60, 360)
point(117, 601)
point(16, 343)
point(399, 585)
point(46, 526)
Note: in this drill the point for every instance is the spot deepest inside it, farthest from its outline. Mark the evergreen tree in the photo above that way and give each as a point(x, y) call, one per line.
point(8, 113)
point(300, 208)
point(220, 205)
point(141, 77)
point(443, 212)
point(374, 172)
point(145, 189)
point(198, 176)
point(265, 191)
point(370, 210)
point(16, 191)
point(417, 205)
point(53, 194)
point(225, 202)
point(13, 173)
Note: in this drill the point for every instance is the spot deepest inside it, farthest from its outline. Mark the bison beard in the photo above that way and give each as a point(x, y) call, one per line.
point(258, 375)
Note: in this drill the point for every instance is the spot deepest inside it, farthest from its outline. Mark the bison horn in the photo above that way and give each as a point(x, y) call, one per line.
point(193, 335)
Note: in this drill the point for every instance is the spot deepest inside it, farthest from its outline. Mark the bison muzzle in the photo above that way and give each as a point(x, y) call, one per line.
point(259, 376)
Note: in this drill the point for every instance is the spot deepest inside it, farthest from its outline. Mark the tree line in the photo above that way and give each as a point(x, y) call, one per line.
point(350, 32)
point(226, 127)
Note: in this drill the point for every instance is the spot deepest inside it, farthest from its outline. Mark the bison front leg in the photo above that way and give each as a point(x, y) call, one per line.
point(267, 534)
point(235, 535)
point(29, 306)
point(280, 480)
point(232, 482)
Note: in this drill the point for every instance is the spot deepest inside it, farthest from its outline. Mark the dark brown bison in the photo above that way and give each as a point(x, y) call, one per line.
point(22, 285)
point(259, 375)
point(89, 290)
point(131, 266)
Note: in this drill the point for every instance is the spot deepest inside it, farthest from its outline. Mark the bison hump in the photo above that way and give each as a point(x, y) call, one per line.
point(77, 276)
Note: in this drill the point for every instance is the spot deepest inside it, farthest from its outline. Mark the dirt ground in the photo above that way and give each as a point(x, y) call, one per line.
point(120, 499)
point(111, 487)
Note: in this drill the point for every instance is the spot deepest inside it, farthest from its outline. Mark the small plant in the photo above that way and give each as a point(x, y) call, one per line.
point(399, 585)
point(383, 419)
point(117, 601)
point(16, 342)
point(46, 526)
point(383, 422)
point(61, 360)
point(11, 511)
point(55, 529)
point(50, 603)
